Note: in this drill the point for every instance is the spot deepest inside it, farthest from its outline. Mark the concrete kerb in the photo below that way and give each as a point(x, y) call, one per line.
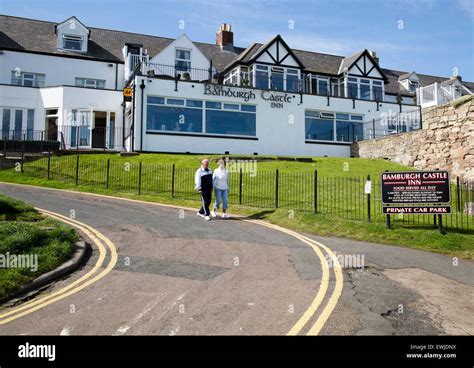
point(80, 253)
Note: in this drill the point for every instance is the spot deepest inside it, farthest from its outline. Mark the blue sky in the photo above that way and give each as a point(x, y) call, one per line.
point(428, 36)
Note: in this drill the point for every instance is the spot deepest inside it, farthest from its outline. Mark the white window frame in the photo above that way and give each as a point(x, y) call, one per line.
point(358, 82)
point(72, 38)
point(37, 80)
point(269, 69)
point(89, 85)
point(176, 59)
point(331, 115)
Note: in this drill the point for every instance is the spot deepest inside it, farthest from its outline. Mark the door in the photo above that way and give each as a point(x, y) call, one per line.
point(52, 128)
point(99, 132)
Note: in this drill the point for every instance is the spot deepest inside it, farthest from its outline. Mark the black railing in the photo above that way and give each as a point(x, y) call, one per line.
point(304, 191)
point(176, 72)
point(29, 141)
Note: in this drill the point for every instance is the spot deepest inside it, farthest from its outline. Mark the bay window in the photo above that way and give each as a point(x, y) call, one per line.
point(292, 80)
point(365, 89)
point(352, 88)
point(377, 91)
point(277, 79)
point(261, 76)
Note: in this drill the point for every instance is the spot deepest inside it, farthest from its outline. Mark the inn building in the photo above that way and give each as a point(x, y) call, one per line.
point(93, 88)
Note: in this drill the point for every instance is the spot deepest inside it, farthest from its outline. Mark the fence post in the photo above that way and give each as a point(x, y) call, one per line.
point(77, 169)
point(315, 191)
point(373, 128)
point(49, 164)
point(368, 201)
point(240, 186)
point(140, 178)
point(107, 174)
point(41, 144)
point(172, 179)
point(458, 195)
point(276, 188)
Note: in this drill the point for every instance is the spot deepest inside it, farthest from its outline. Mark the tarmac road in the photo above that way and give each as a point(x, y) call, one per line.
point(178, 274)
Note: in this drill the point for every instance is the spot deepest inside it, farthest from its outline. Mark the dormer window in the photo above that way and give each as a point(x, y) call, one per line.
point(72, 36)
point(413, 85)
point(73, 43)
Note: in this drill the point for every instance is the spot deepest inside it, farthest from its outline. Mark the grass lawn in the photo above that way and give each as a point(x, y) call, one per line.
point(421, 236)
point(23, 231)
point(326, 166)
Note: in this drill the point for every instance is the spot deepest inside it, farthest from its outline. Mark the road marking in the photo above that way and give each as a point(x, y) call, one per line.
point(123, 329)
point(102, 254)
point(66, 331)
point(331, 304)
point(324, 316)
point(97, 237)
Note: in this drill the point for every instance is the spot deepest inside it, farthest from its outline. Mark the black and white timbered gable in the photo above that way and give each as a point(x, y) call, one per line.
point(361, 64)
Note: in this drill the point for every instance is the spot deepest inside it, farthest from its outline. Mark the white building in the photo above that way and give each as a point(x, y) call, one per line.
point(65, 82)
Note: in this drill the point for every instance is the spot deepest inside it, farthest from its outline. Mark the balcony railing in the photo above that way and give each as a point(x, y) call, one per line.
point(437, 94)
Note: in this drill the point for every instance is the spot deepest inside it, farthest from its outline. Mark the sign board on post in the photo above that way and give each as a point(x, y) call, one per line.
point(424, 192)
point(415, 187)
point(127, 94)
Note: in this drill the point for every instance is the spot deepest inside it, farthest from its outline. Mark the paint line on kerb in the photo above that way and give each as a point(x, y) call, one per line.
point(339, 278)
point(98, 264)
point(332, 302)
point(63, 293)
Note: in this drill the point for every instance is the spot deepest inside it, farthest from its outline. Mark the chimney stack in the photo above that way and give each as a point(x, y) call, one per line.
point(374, 56)
point(458, 77)
point(225, 37)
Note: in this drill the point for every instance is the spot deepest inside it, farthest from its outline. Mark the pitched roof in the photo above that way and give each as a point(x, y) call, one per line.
point(348, 61)
point(32, 35)
point(406, 76)
point(104, 44)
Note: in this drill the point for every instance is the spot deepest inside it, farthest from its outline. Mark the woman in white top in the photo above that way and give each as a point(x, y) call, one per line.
point(220, 182)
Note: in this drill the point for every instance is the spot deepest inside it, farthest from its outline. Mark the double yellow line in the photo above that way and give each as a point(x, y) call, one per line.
point(323, 288)
point(89, 278)
point(295, 330)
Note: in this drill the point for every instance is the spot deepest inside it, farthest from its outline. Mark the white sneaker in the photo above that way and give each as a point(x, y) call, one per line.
point(213, 214)
point(225, 215)
point(207, 218)
point(200, 214)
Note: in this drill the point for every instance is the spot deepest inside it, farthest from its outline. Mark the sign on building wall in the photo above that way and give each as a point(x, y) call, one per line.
point(127, 94)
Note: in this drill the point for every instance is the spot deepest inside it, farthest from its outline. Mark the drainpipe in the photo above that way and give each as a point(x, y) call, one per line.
point(142, 87)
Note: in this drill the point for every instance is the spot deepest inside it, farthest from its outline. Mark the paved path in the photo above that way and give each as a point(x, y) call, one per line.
point(177, 274)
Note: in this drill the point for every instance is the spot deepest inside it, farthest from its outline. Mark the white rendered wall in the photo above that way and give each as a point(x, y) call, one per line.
point(65, 99)
point(279, 131)
point(59, 70)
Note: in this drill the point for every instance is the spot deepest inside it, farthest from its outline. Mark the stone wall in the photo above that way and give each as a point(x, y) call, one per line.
point(446, 142)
